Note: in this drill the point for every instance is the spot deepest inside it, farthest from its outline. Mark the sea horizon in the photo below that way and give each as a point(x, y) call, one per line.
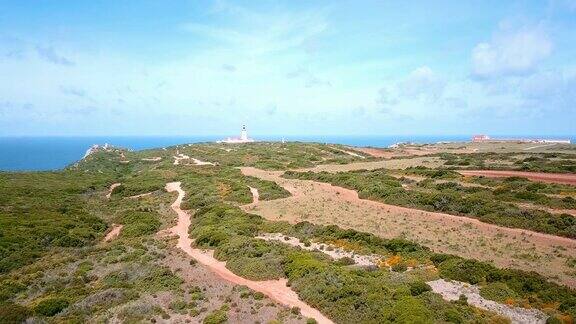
point(48, 153)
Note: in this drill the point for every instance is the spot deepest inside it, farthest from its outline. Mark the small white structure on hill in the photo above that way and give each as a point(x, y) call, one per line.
point(242, 139)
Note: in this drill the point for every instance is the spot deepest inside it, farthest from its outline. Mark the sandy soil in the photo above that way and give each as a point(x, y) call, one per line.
point(406, 151)
point(451, 290)
point(112, 186)
point(538, 146)
point(198, 162)
point(275, 289)
point(255, 198)
point(217, 292)
point(335, 253)
point(153, 159)
point(179, 157)
point(467, 147)
point(562, 178)
point(323, 203)
point(388, 164)
point(349, 152)
point(116, 228)
point(141, 195)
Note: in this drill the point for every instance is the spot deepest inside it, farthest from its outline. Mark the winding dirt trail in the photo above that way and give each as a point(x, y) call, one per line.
point(275, 289)
point(562, 178)
point(116, 228)
point(322, 203)
point(255, 196)
point(112, 186)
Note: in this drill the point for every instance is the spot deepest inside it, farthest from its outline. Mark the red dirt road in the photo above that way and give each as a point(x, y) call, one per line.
point(562, 178)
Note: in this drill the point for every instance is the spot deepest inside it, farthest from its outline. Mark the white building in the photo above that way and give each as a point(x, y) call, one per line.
point(242, 139)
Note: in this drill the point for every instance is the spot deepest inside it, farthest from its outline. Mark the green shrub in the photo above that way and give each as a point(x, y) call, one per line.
point(138, 223)
point(451, 315)
point(554, 320)
point(13, 313)
point(216, 317)
point(418, 288)
point(51, 306)
point(345, 261)
point(400, 267)
point(470, 271)
point(9, 288)
point(410, 310)
point(497, 291)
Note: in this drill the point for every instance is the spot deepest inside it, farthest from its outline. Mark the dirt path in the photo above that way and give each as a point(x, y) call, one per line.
point(275, 289)
point(538, 146)
point(141, 195)
point(112, 186)
point(179, 157)
point(325, 204)
point(199, 162)
point(562, 178)
point(152, 159)
point(116, 228)
point(255, 198)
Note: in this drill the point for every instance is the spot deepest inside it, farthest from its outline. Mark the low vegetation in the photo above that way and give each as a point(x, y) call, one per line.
point(535, 162)
point(363, 294)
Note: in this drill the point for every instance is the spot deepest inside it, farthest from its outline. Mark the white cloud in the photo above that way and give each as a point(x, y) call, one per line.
point(422, 83)
point(511, 53)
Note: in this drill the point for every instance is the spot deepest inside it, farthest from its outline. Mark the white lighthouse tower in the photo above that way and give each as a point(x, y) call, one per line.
point(242, 139)
point(244, 134)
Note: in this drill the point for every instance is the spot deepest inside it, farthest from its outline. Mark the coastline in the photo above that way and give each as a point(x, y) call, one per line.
point(55, 153)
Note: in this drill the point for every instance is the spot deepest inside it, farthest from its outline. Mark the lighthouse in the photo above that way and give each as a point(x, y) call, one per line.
point(242, 139)
point(244, 134)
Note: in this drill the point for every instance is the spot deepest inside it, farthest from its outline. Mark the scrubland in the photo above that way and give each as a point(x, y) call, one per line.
point(56, 267)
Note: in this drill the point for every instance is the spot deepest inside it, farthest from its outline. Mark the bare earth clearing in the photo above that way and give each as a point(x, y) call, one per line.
point(323, 203)
point(562, 178)
point(388, 164)
point(409, 151)
point(275, 289)
point(466, 147)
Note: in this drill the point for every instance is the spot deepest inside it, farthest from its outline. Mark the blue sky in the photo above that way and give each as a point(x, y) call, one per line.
point(287, 67)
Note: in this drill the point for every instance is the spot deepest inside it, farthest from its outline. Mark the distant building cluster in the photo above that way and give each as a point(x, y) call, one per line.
point(242, 139)
point(486, 138)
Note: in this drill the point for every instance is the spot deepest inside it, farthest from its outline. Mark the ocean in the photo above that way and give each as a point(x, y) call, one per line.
point(53, 153)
